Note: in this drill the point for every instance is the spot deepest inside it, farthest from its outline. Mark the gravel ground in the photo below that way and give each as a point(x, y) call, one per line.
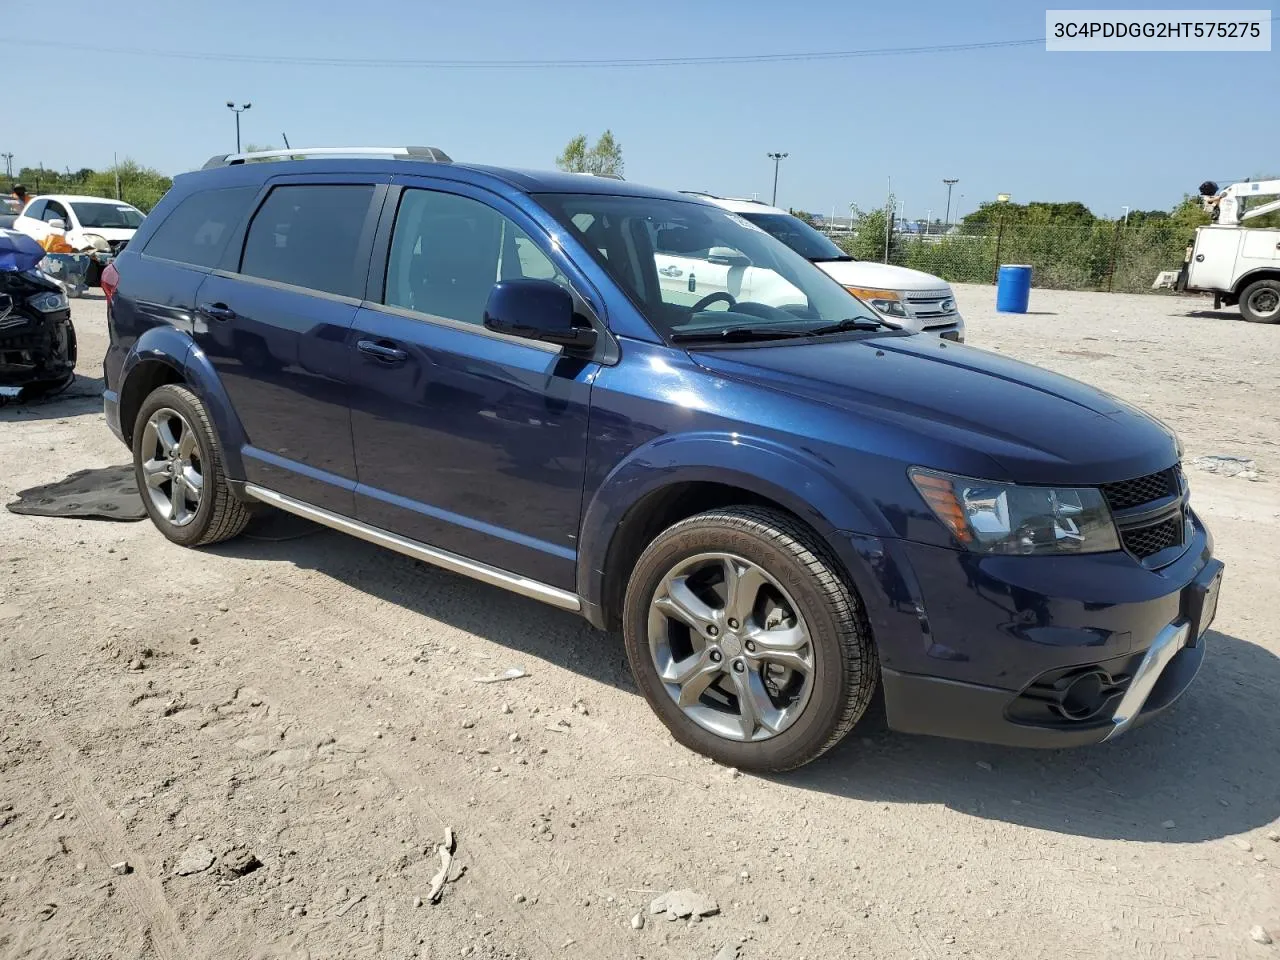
point(308, 704)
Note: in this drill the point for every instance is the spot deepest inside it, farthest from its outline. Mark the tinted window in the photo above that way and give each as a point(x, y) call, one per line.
point(309, 236)
point(55, 211)
point(448, 251)
point(35, 209)
point(797, 235)
point(107, 215)
point(198, 229)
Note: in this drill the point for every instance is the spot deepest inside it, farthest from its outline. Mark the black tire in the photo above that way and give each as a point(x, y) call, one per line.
point(847, 669)
point(220, 515)
point(1261, 288)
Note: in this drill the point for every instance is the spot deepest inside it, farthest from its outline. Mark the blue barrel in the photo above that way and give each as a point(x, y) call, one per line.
point(1013, 288)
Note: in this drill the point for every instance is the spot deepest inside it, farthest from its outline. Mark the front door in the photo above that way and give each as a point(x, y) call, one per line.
point(467, 440)
point(274, 324)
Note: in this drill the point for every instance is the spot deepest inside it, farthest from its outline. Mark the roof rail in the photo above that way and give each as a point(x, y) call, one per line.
point(588, 173)
point(430, 154)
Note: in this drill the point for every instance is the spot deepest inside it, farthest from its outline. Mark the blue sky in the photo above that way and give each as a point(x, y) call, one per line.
point(1106, 129)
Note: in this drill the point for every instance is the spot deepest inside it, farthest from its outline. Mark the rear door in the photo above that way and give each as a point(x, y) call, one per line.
point(465, 439)
point(273, 320)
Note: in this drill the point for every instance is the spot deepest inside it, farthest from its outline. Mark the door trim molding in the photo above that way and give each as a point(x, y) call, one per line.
point(452, 562)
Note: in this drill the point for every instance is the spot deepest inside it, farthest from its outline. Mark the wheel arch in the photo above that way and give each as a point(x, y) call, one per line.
point(165, 354)
point(1253, 276)
point(641, 498)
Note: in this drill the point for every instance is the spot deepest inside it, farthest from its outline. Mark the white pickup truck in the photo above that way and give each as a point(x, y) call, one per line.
point(907, 298)
point(1238, 264)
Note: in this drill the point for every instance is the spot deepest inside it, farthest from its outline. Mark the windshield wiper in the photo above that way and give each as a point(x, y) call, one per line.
point(736, 334)
point(849, 323)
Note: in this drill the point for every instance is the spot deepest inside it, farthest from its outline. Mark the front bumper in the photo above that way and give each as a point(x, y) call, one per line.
point(1034, 651)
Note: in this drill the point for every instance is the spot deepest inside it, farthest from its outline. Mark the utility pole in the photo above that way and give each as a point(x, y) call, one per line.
point(777, 159)
point(8, 164)
point(237, 111)
point(950, 183)
point(1126, 216)
point(115, 168)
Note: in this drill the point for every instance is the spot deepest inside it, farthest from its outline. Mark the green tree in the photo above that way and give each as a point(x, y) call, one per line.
point(804, 215)
point(867, 240)
point(602, 159)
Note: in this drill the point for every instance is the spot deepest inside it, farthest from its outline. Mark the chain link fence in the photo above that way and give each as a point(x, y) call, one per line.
point(1102, 255)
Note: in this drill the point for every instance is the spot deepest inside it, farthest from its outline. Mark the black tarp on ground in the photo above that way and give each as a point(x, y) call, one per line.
point(107, 493)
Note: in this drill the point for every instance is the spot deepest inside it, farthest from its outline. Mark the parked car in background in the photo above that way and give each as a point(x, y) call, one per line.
point(782, 503)
point(910, 299)
point(104, 225)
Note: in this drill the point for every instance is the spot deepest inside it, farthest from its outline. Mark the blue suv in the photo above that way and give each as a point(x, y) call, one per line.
point(781, 502)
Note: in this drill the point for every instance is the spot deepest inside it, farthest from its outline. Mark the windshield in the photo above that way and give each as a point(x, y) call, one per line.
point(798, 235)
point(107, 215)
point(696, 270)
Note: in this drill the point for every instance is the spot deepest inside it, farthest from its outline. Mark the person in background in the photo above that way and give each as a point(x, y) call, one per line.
point(19, 193)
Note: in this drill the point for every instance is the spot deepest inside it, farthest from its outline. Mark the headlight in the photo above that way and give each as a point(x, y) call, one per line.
point(1009, 519)
point(49, 302)
point(888, 302)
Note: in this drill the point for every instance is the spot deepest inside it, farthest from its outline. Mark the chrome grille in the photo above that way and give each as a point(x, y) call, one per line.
point(927, 304)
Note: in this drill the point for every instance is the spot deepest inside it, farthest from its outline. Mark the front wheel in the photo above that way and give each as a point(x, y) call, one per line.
point(178, 465)
point(746, 641)
point(1260, 302)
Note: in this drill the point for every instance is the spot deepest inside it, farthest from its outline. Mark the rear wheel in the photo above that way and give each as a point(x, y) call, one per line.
point(1260, 302)
point(746, 642)
point(178, 466)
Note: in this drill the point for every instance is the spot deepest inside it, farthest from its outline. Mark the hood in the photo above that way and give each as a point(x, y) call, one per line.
point(861, 273)
point(106, 233)
point(962, 409)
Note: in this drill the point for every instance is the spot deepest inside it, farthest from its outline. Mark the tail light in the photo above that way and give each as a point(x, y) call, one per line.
point(110, 281)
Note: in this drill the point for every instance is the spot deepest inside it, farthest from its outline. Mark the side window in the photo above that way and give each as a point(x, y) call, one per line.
point(35, 209)
point(448, 251)
point(199, 227)
point(308, 236)
point(680, 241)
point(55, 211)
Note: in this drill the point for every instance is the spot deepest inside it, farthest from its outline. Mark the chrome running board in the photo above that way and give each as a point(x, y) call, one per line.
point(419, 551)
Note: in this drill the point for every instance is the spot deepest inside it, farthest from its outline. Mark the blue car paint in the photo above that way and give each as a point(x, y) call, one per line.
point(530, 461)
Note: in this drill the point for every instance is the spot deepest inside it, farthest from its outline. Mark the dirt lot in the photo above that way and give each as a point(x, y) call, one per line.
point(310, 701)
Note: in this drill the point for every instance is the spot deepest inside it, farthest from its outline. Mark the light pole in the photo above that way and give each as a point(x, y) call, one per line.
point(237, 111)
point(1126, 216)
point(777, 159)
point(950, 183)
point(8, 164)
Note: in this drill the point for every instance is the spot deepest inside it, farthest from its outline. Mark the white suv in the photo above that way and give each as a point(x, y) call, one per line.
point(907, 298)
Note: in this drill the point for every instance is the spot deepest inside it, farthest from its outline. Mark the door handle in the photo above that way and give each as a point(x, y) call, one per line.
point(381, 351)
point(217, 311)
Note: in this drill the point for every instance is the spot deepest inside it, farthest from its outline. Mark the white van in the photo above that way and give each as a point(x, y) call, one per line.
point(907, 298)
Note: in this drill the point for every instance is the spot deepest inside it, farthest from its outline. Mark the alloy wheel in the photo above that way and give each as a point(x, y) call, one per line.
point(171, 466)
point(731, 647)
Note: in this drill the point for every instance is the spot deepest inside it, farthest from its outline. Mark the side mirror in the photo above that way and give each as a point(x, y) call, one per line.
point(57, 223)
point(727, 257)
point(536, 310)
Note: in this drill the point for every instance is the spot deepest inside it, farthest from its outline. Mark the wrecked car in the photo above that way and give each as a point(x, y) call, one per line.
point(37, 339)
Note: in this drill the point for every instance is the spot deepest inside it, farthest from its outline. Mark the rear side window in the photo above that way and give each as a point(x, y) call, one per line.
point(308, 236)
point(35, 209)
point(198, 229)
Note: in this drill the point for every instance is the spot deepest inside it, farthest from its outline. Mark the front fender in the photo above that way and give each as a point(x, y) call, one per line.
point(798, 481)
